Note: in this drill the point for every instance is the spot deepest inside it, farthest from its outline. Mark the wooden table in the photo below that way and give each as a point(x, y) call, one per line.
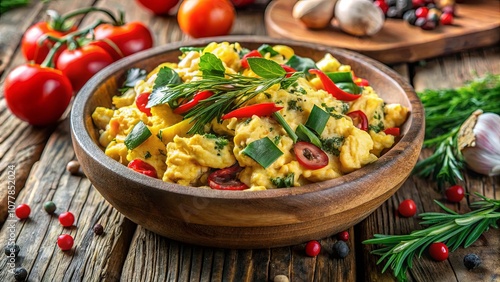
point(128, 252)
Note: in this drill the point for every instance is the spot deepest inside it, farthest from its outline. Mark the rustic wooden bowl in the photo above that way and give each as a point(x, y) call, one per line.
point(239, 219)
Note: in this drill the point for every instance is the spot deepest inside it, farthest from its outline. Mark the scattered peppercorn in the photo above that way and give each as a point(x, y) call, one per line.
point(471, 261)
point(49, 207)
point(281, 278)
point(98, 229)
point(20, 274)
point(340, 249)
point(313, 248)
point(73, 167)
point(23, 211)
point(65, 242)
point(344, 236)
point(11, 248)
point(66, 219)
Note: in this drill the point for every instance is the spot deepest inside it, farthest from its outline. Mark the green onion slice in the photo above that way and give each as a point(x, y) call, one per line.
point(317, 120)
point(285, 125)
point(137, 136)
point(263, 151)
point(305, 134)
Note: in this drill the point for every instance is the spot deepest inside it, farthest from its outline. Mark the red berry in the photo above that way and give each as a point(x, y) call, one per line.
point(66, 219)
point(446, 19)
point(65, 242)
point(438, 251)
point(343, 236)
point(407, 208)
point(455, 193)
point(23, 211)
point(421, 12)
point(313, 248)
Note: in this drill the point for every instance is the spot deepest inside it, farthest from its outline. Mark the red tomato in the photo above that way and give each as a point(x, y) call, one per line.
point(141, 101)
point(80, 64)
point(205, 18)
point(310, 156)
point(251, 54)
point(32, 50)
point(158, 7)
point(143, 167)
point(37, 94)
point(241, 3)
point(225, 179)
point(129, 38)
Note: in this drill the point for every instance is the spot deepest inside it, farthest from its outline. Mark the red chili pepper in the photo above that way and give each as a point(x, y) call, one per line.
point(185, 107)
point(141, 102)
point(225, 179)
point(359, 119)
point(333, 89)
point(143, 167)
point(392, 131)
point(263, 109)
point(251, 54)
point(289, 70)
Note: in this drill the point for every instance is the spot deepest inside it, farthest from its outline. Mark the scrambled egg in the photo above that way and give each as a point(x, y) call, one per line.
point(181, 157)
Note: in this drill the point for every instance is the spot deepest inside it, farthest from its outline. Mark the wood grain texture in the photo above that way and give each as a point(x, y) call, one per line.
point(477, 25)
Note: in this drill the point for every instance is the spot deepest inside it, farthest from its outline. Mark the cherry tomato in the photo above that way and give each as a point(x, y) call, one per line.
point(33, 49)
point(129, 38)
point(205, 18)
point(455, 193)
point(142, 101)
point(407, 208)
point(251, 54)
point(66, 219)
point(65, 242)
point(359, 119)
point(37, 94)
point(313, 248)
point(143, 167)
point(80, 64)
point(343, 236)
point(438, 251)
point(158, 7)
point(225, 179)
point(310, 156)
point(23, 211)
point(422, 12)
point(382, 5)
point(241, 3)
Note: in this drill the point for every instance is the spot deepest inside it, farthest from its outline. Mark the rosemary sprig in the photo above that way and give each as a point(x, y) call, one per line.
point(449, 227)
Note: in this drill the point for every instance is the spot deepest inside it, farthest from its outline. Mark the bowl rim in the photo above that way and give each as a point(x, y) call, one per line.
point(412, 139)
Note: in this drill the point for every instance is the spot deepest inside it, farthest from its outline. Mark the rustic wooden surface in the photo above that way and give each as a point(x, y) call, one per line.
point(130, 253)
point(477, 24)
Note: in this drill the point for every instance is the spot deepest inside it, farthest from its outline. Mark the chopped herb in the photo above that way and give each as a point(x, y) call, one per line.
point(263, 151)
point(147, 155)
point(332, 145)
point(160, 135)
point(211, 66)
point(133, 76)
point(165, 79)
point(137, 136)
point(283, 182)
point(162, 152)
point(292, 105)
point(376, 127)
point(277, 139)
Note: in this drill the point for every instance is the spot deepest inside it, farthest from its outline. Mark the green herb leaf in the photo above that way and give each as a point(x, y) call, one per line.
point(332, 145)
point(211, 66)
point(266, 68)
point(305, 134)
point(263, 151)
point(266, 48)
point(281, 120)
point(189, 49)
point(133, 76)
point(317, 120)
point(301, 64)
point(283, 182)
point(165, 79)
point(137, 136)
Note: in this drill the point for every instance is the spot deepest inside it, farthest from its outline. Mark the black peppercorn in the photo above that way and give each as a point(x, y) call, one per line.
point(20, 274)
point(98, 229)
point(11, 248)
point(340, 249)
point(471, 261)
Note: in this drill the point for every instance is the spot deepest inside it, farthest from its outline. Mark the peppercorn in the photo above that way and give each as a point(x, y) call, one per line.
point(12, 248)
point(73, 167)
point(471, 261)
point(281, 278)
point(49, 207)
point(340, 249)
point(20, 274)
point(98, 229)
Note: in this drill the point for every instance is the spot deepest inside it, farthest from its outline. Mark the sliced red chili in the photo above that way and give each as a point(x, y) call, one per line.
point(392, 131)
point(226, 179)
point(333, 89)
point(263, 109)
point(185, 107)
point(310, 156)
point(251, 54)
point(143, 167)
point(359, 119)
point(289, 70)
point(141, 101)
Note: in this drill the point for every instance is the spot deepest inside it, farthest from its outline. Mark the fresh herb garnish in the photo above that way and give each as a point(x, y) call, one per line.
point(332, 145)
point(283, 182)
point(449, 227)
point(301, 64)
point(317, 120)
point(190, 49)
point(140, 133)
point(133, 76)
point(266, 48)
point(263, 151)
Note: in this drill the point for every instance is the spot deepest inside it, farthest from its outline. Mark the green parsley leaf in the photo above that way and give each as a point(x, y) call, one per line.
point(266, 68)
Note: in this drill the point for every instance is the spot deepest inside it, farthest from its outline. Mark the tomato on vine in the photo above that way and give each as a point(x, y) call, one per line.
point(158, 7)
point(205, 18)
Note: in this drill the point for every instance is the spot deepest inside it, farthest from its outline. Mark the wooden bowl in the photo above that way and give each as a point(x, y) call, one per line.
point(239, 219)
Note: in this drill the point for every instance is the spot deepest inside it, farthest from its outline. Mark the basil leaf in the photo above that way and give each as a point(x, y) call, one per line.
point(165, 79)
point(137, 136)
point(265, 48)
point(263, 151)
point(301, 64)
point(266, 68)
point(211, 66)
point(133, 76)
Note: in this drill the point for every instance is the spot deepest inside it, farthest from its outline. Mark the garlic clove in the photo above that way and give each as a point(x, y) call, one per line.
point(359, 17)
point(479, 142)
point(314, 14)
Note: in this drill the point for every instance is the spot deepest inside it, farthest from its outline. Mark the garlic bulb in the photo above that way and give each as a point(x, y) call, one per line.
point(314, 14)
point(479, 142)
point(359, 17)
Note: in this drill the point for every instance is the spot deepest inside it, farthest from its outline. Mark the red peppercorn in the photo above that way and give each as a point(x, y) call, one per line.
point(343, 236)
point(66, 219)
point(446, 19)
point(65, 242)
point(455, 193)
point(382, 5)
point(23, 211)
point(438, 251)
point(407, 208)
point(422, 12)
point(313, 248)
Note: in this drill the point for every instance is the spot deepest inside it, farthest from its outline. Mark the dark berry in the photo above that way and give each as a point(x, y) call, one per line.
point(12, 248)
point(98, 229)
point(20, 274)
point(429, 25)
point(392, 12)
point(404, 5)
point(471, 261)
point(340, 249)
point(391, 2)
point(49, 207)
point(420, 22)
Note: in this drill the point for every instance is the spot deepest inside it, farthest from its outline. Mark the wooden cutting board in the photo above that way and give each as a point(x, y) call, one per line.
point(477, 24)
